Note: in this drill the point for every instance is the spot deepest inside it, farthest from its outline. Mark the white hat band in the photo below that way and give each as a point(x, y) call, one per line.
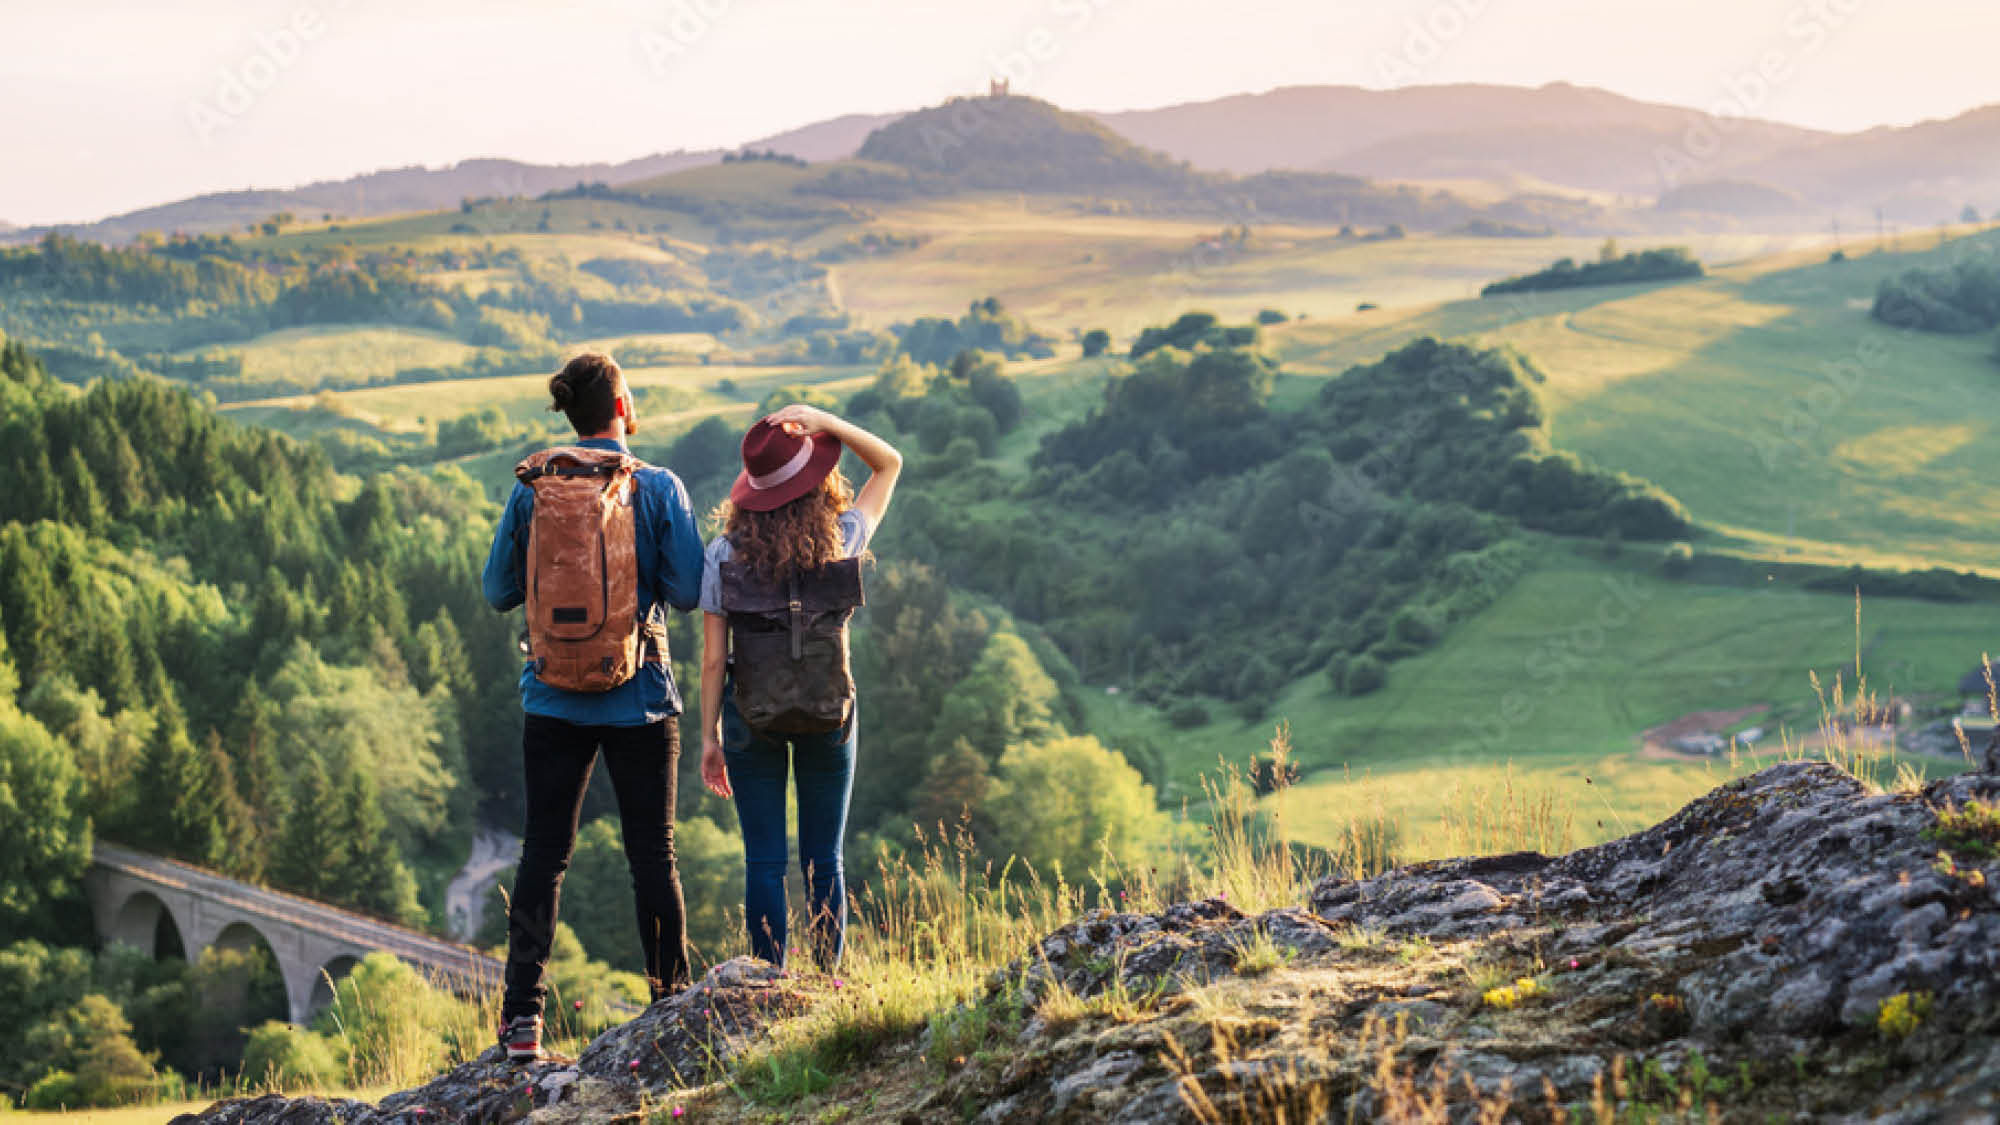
point(784, 472)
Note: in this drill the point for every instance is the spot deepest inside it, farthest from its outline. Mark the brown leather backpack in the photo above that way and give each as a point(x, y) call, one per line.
point(584, 631)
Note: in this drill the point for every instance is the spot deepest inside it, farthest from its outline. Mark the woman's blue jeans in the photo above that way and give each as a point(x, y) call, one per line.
point(823, 765)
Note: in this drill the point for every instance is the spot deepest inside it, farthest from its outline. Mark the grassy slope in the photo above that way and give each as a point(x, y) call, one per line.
point(1718, 390)
point(1537, 682)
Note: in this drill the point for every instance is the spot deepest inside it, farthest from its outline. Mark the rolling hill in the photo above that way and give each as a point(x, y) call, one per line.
point(1022, 144)
point(1576, 136)
point(836, 138)
point(1919, 173)
point(388, 192)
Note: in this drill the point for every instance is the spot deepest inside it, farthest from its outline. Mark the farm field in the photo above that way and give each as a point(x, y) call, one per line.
point(343, 354)
point(1065, 269)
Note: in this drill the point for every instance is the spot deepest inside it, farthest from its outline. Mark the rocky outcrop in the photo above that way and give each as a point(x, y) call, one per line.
point(1789, 947)
point(1743, 953)
point(676, 1043)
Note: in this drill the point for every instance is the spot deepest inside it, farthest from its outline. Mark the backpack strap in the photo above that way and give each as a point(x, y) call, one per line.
point(575, 461)
point(798, 615)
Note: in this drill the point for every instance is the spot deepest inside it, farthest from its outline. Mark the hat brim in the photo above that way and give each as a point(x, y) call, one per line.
point(825, 455)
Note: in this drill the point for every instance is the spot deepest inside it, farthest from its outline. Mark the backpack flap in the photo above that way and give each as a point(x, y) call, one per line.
point(832, 588)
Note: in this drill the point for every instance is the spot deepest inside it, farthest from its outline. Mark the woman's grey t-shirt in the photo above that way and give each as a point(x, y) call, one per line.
point(854, 533)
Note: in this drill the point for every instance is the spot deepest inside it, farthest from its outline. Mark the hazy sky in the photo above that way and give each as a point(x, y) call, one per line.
point(108, 105)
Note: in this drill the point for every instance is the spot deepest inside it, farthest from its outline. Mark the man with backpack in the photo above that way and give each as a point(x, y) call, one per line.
point(598, 545)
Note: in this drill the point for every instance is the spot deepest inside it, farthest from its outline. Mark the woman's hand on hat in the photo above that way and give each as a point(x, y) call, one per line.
point(799, 419)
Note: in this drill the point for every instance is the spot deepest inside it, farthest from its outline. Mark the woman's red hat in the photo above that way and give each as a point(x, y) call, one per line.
point(779, 466)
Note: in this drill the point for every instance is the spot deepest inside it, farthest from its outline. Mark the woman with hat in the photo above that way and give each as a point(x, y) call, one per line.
point(789, 512)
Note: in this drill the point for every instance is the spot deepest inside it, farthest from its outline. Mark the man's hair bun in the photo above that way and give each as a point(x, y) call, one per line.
point(587, 390)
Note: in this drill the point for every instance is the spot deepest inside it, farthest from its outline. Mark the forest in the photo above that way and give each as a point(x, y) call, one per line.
point(215, 647)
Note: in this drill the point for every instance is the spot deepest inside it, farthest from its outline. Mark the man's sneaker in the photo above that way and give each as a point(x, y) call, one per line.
point(522, 1036)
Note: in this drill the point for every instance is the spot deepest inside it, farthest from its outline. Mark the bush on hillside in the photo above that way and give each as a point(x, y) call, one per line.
point(1669, 263)
point(1955, 299)
point(1364, 675)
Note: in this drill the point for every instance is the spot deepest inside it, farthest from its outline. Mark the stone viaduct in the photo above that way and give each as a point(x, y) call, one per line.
point(134, 896)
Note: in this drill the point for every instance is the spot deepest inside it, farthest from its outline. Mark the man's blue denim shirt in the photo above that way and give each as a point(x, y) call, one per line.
point(670, 564)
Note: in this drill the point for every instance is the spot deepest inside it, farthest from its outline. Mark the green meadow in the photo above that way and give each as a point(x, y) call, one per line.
point(336, 355)
point(1556, 683)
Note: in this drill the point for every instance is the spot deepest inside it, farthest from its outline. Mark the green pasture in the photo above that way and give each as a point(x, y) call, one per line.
point(1575, 661)
point(344, 354)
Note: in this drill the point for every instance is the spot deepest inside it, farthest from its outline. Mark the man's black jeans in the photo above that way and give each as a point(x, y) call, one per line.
point(558, 757)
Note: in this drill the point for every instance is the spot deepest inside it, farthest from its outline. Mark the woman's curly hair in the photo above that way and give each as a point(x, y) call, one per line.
point(801, 535)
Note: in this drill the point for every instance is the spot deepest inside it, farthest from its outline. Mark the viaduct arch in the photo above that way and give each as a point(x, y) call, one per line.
point(134, 895)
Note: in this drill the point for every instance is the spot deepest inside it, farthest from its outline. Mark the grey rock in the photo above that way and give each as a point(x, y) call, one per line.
point(675, 1043)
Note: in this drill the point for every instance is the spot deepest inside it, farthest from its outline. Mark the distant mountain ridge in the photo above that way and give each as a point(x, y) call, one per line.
point(417, 188)
point(386, 192)
point(1554, 137)
point(1558, 132)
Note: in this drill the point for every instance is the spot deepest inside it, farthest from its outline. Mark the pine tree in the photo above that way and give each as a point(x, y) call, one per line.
point(253, 743)
point(83, 501)
point(40, 491)
point(126, 481)
point(225, 821)
point(169, 817)
point(440, 659)
point(311, 849)
point(373, 878)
